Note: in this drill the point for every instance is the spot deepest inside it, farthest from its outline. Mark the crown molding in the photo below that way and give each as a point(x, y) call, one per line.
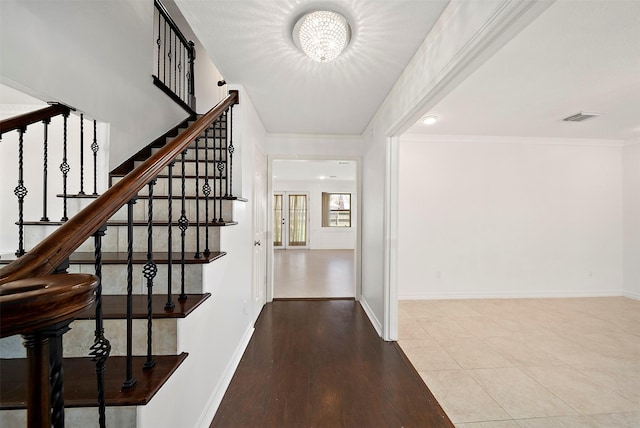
point(501, 139)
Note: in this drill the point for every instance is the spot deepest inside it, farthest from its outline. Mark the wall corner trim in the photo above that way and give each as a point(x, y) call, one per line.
point(372, 316)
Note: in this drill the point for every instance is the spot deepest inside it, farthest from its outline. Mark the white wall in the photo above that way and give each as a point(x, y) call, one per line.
point(14, 103)
point(98, 58)
point(466, 34)
point(324, 238)
point(507, 217)
point(304, 146)
point(631, 189)
point(216, 334)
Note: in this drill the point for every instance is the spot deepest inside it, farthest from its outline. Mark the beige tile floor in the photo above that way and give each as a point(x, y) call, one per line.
point(313, 273)
point(528, 363)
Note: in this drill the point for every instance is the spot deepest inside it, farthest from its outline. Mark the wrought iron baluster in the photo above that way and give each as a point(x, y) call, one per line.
point(231, 150)
point(192, 78)
point(216, 131)
point(45, 169)
point(185, 56)
point(129, 381)
point(175, 63)
point(94, 149)
point(220, 198)
point(64, 168)
point(169, 55)
point(179, 88)
point(81, 192)
point(101, 347)
point(198, 254)
point(20, 191)
point(164, 57)
point(54, 333)
point(206, 191)
point(222, 159)
point(183, 224)
point(149, 271)
point(170, 305)
point(158, 41)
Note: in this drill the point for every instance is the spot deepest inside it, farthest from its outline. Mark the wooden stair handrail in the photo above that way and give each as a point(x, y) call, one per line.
point(33, 303)
point(23, 120)
point(45, 257)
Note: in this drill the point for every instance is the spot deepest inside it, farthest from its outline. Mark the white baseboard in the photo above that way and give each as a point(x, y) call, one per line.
point(218, 393)
point(372, 317)
point(631, 295)
point(523, 295)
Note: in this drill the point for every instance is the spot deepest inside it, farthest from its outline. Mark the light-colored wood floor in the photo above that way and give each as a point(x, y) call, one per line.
point(518, 363)
point(313, 273)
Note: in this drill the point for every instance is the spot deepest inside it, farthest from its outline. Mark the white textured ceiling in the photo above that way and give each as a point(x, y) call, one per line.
point(250, 42)
point(577, 56)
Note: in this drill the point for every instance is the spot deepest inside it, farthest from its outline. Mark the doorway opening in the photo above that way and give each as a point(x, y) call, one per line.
point(314, 222)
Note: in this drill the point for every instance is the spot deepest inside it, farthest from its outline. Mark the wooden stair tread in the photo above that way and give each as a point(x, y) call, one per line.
point(114, 307)
point(192, 176)
point(80, 384)
point(192, 197)
point(81, 196)
point(178, 196)
point(135, 223)
point(120, 258)
point(141, 257)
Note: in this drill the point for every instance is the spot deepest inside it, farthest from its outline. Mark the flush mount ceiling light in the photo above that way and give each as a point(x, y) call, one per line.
point(429, 120)
point(322, 35)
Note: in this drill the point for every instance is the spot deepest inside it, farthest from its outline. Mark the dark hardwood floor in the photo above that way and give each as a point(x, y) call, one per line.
point(321, 364)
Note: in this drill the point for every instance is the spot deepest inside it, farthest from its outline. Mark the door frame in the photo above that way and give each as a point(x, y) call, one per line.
point(259, 293)
point(358, 218)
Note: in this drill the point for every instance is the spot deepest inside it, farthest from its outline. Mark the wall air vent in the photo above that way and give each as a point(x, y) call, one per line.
point(579, 117)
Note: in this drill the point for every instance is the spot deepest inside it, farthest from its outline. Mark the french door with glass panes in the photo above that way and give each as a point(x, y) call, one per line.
point(291, 220)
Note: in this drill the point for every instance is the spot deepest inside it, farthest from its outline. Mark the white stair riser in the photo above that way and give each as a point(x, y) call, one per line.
point(77, 341)
point(114, 278)
point(189, 168)
point(191, 153)
point(162, 187)
point(161, 209)
point(85, 417)
point(116, 238)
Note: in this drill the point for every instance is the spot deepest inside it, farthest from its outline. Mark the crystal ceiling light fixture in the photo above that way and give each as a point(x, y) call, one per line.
point(322, 35)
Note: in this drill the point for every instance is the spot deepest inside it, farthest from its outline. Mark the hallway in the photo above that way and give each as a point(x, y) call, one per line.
point(321, 364)
point(313, 273)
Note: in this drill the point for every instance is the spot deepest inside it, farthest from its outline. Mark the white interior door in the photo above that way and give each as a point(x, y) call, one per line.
point(260, 233)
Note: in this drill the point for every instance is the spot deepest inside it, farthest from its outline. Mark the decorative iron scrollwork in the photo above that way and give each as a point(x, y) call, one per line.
point(150, 270)
point(20, 191)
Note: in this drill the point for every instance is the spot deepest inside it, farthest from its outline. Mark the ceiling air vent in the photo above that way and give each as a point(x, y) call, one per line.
point(579, 117)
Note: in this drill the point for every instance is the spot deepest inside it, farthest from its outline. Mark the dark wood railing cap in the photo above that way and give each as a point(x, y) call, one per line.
point(29, 304)
point(26, 119)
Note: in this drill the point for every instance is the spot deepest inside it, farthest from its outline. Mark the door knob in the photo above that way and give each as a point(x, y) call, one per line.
point(257, 243)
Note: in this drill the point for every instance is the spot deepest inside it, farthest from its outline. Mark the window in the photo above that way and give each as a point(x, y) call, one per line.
point(336, 209)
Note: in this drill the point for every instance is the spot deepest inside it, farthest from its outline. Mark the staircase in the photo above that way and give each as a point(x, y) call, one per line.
point(153, 263)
